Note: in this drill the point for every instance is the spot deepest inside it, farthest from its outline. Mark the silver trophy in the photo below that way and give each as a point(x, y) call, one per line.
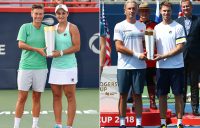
point(149, 44)
point(49, 32)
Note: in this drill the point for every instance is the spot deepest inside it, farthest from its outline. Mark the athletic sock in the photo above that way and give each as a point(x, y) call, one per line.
point(122, 120)
point(179, 121)
point(68, 126)
point(35, 121)
point(138, 121)
point(163, 121)
point(17, 122)
point(59, 125)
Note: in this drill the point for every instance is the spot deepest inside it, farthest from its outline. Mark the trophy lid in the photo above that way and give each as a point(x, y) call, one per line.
point(149, 32)
point(49, 28)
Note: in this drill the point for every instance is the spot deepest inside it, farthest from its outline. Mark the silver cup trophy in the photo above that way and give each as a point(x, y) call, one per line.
point(149, 44)
point(49, 32)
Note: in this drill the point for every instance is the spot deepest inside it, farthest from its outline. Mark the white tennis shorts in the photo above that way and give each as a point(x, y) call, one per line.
point(35, 78)
point(63, 76)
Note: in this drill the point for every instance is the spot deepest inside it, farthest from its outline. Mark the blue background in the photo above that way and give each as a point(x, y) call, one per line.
point(88, 61)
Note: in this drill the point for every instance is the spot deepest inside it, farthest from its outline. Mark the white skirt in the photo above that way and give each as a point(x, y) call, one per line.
point(63, 76)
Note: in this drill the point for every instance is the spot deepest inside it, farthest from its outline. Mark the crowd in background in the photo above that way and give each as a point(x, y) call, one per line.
point(51, 5)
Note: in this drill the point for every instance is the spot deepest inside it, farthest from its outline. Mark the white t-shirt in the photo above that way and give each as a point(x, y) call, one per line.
point(167, 37)
point(132, 36)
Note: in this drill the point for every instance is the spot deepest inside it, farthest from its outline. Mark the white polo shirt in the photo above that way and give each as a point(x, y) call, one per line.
point(167, 37)
point(132, 36)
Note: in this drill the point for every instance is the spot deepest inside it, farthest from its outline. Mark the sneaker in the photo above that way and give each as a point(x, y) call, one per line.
point(35, 127)
point(123, 126)
point(139, 126)
point(180, 126)
point(56, 126)
point(163, 126)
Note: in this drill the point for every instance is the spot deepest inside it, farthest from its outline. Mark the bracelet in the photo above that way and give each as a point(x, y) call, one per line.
point(61, 53)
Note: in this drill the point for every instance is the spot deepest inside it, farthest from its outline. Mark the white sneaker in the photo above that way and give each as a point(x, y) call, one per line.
point(35, 127)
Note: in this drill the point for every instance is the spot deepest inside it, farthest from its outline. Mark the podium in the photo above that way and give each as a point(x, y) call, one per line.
point(188, 119)
point(149, 118)
point(109, 98)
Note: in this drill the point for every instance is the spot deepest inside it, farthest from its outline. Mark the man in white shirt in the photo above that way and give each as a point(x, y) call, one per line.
point(129, 37)
point(170, 40)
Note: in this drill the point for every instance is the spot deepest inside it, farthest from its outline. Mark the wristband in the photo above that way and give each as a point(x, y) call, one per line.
point(137, 55)
point(61, 53)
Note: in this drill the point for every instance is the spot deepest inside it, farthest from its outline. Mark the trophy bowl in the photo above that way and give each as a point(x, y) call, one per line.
point(149, 44)
point(49, 32)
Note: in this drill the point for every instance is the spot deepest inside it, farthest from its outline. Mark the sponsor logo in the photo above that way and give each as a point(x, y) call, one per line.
point(114, 119)
point(49, 19)
point(94, 43)
point(2, 49)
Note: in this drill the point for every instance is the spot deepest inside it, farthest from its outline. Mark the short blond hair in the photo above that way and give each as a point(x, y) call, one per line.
point(130, 1)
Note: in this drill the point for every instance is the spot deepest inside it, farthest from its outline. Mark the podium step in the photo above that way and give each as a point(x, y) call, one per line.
point(149, 118)
point(188, 119)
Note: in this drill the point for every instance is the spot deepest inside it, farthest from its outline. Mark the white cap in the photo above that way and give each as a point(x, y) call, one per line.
point(61, 6)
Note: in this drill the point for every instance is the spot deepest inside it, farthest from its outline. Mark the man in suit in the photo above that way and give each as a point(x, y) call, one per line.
point(191, 54)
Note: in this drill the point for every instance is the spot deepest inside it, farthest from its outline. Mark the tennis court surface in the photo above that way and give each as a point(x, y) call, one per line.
point(87, 109)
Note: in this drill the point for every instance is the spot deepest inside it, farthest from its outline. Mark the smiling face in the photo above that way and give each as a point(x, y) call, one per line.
point(37, 15)
point(61, 15)
point(166, 12)
point(186, 7)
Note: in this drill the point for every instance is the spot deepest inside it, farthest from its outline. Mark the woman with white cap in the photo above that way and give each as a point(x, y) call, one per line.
point(63, 73)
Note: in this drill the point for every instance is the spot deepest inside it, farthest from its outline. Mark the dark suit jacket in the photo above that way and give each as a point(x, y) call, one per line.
point(192, 47)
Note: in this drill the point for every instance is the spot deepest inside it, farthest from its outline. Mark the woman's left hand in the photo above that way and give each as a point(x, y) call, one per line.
point(56, 53)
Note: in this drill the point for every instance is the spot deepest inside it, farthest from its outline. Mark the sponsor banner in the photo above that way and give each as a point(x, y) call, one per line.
point(149, 118)
point(112, 119)
point(109, 95)
point(87, 58)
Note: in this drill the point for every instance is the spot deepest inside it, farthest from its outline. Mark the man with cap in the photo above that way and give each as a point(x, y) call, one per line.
point(144, 12)
point(63, 72)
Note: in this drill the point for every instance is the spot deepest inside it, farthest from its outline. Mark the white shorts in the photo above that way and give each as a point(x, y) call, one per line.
point(35, 78)
point(63, 76)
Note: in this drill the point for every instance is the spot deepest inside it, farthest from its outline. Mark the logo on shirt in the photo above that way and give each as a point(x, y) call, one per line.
point(72, 80)
point(65, 34)
point(126, 30)
point(142, 30)
point(170, 32)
